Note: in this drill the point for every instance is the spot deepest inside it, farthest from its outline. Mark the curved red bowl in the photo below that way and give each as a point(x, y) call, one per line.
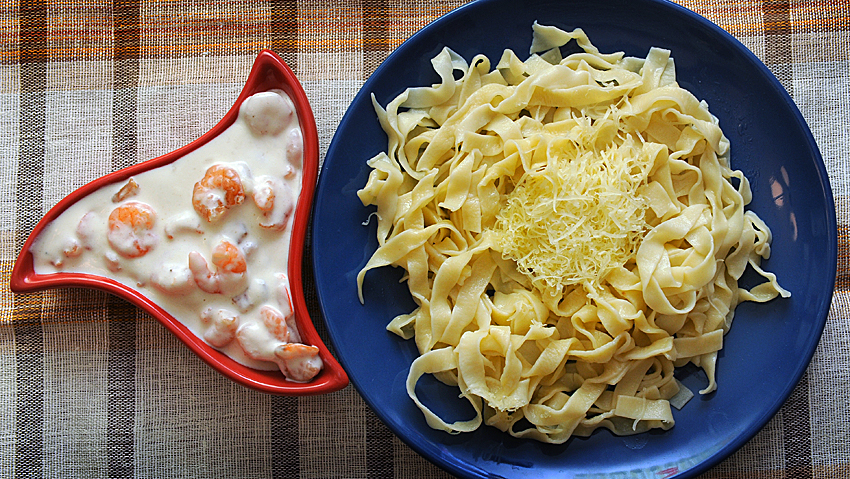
point(269, 72)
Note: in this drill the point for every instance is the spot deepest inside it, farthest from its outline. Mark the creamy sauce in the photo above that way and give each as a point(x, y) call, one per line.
point(205, 237)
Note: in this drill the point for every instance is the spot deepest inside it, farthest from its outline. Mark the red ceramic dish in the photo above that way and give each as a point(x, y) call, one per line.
point(269, 72)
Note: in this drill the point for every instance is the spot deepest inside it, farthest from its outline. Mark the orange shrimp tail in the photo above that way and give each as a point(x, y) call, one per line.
point(137, 216)
point(227, 257)
point(219, 190)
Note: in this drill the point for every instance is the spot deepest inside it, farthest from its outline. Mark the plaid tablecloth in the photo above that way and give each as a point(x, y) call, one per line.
point(92, 387)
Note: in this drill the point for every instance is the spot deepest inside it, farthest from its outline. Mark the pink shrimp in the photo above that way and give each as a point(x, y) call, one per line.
point(172, 279)
point(298, 362)
point(72, 248)
point(284, 299)
point(130, 229)
point(221, 326)
point(295, 148)
point(282, 293)
point(275, 199)
point(273, 341)
point(75, 245)
point(131, 188)
point(87, 229)
point(267, 113)
point(219, 190)
point(275, 322)
point(230, 269)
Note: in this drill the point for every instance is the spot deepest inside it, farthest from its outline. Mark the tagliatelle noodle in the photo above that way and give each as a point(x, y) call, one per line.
point(571, 233)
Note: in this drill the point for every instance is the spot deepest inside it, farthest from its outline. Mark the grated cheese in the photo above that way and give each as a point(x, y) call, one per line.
point(573, 219)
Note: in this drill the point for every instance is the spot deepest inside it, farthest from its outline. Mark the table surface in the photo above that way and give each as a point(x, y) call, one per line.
point(94, 387)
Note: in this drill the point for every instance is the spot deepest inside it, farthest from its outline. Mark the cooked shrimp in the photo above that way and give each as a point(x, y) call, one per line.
point(112, 261)
point(275, 322)
point(184, 222)
point(221, 326)
point(275, 199)
point(219, 190)
point(284, 299)
point(130, 229)
point(256, 293)
point(131, 188)
point(72, 248)
point(295, 148)
point(264, 193)
point(173, 279)
point(256, 341)
point(267, 113)
point(228, 258)
point(298, 362)
point(230, 265)
point(87, 229)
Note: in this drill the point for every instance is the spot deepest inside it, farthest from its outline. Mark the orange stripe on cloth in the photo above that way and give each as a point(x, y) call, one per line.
point(737, 17)
point(70, 31)
point(842, 280)
point(27, 308)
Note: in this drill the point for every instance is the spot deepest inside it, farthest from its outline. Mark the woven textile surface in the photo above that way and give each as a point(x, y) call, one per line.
point(93, 387)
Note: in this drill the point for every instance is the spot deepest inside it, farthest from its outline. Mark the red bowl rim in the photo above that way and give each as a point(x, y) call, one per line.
point(268, 72)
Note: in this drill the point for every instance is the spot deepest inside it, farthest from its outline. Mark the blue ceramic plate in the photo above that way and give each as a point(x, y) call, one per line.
point(769, 345)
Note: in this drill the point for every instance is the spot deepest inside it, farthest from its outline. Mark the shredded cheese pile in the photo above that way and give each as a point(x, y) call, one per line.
point(577, 217)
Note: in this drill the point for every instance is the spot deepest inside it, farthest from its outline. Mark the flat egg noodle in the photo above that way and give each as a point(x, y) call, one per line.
point(570, 233)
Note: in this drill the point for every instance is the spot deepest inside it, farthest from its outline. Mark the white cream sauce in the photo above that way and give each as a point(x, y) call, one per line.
point(265, 147)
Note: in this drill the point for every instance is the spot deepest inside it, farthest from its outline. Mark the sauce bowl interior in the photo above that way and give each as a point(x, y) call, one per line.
point(269, 72)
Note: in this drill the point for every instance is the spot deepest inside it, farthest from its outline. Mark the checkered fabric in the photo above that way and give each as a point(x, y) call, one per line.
point(92, 387)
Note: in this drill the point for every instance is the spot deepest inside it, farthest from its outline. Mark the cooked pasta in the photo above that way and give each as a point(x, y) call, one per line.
point(571, 232)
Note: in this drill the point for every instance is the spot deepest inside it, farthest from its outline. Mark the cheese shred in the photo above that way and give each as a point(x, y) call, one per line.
point(581, 215)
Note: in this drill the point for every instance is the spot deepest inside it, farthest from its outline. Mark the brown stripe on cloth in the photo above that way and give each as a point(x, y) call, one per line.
point(379, 447)
point(77, 32)
point(29, 383)
point(121, 404)
point(29, 338)
point(796, 432)
point(284, 31)
point(740, 18)
point(122, 316)
point(376, 34)
point(778, 52)
point(796, 424)
point(842, 280)
point(126, 81)
point(33, 31)
point(285, 426)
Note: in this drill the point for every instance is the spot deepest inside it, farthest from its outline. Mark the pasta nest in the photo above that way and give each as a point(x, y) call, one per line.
point(571, 232)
